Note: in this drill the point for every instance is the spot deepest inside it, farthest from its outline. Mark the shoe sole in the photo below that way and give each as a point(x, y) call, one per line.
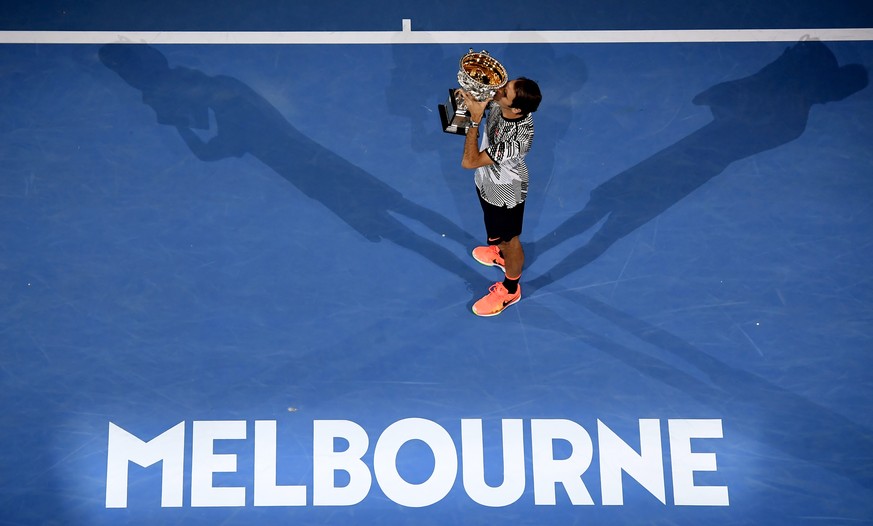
point(513, 302)
point(489, 264)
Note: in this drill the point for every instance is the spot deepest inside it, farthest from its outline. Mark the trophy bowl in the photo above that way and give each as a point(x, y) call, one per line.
point(479, 74)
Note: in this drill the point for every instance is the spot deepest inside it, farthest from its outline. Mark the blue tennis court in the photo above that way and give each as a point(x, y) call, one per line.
point(237, 281)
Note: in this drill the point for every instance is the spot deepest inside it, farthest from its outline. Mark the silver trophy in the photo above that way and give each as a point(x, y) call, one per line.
point(480, 75)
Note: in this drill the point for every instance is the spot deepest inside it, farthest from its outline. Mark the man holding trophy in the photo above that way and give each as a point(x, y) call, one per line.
point(501, 178)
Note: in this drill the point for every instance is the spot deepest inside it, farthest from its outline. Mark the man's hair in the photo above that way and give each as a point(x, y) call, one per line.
point(527, 95)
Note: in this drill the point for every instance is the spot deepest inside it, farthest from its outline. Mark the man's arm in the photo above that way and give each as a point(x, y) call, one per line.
point(473, 158)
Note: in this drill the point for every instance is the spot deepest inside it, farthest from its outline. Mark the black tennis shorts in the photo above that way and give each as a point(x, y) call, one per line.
point(501, 222)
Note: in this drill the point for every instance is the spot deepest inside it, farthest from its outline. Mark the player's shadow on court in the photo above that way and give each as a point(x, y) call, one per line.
point(750, 115)
point(248, 123)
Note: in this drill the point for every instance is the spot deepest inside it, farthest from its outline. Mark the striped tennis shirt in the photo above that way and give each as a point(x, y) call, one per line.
point(506, 141)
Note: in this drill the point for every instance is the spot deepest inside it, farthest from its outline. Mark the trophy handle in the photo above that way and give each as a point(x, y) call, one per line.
point(460, 104)
point(454, 115)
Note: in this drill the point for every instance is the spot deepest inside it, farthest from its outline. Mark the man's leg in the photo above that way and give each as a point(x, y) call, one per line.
point(501, 222)
point(513, 257)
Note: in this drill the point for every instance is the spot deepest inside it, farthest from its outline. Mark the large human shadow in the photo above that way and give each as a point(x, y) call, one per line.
point(750, 115)
point(246, 123)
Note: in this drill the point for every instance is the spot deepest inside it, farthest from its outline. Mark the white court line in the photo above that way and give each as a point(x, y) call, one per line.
point(407, 36)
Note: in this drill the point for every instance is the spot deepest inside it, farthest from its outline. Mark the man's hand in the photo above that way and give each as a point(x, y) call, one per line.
point(476, 108)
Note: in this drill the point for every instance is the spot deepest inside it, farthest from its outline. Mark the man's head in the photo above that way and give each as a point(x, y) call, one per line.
point(140, 65)
point(520, 96)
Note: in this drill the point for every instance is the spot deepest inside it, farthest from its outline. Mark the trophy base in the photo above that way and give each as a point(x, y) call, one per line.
point(454, 117)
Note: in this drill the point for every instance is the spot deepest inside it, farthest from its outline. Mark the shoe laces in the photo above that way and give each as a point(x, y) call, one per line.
point(498, 289)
